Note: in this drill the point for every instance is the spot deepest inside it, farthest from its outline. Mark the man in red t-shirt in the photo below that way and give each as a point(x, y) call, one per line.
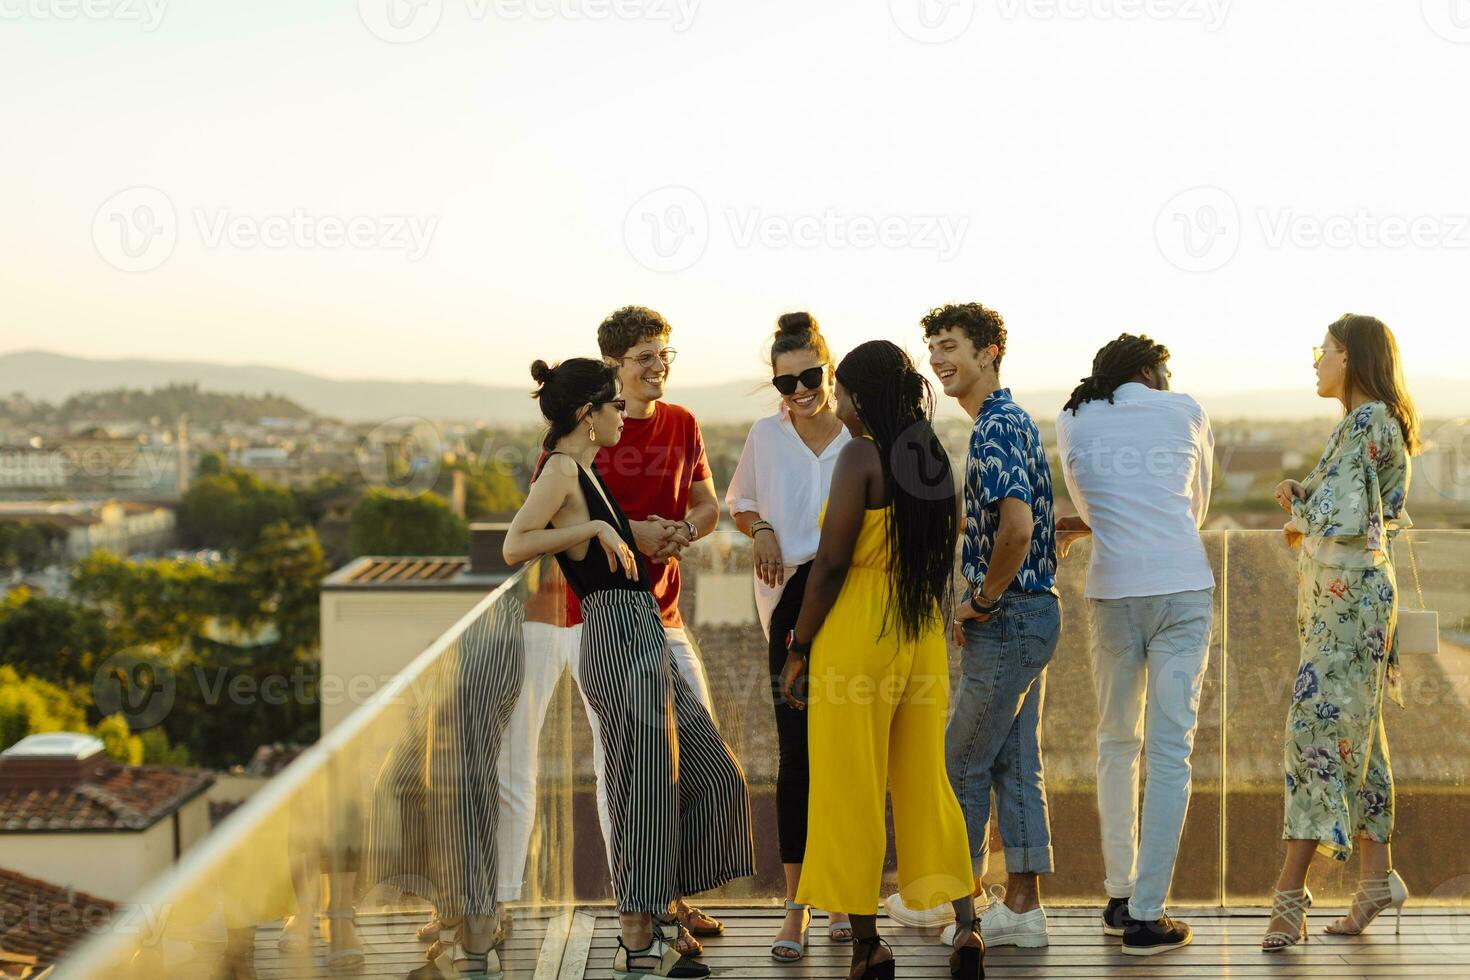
point(658, 473)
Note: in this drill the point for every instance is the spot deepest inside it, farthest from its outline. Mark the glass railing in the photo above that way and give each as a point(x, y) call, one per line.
point(400, 808)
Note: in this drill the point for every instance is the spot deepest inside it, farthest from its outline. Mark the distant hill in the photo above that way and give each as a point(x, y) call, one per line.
point(206, 408)
point(42, 375)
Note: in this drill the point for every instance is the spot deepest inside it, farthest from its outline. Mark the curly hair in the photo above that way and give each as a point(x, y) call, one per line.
point(624, 329)
point(981, 324)
point(1116, 364)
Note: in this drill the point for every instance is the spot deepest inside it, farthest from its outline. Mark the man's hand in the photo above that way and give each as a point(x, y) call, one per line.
point(655, 537)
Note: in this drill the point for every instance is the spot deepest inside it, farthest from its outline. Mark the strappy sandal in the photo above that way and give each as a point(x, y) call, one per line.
point(344, 959)
point(458, 963)
point(1374, 896)
point(689, 918)
point(444, 933)
point(968, 962)
point(797, 948)
point(839, 930)
point(658, 959)
point(1289, 907)
point(673, 932)
point(429, 931)
point(875, 971)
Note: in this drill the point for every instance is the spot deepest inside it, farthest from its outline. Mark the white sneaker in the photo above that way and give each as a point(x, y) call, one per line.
point(999, 926)
point(917, 918)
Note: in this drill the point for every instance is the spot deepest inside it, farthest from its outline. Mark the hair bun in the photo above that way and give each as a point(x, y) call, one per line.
point(797, 323)
point(541, 372)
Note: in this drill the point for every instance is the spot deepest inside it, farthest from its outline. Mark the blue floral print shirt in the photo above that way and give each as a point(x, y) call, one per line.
point(1007, 459)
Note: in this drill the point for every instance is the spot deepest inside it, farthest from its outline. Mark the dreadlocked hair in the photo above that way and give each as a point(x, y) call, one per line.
point(896, 404)
point(1116, 364)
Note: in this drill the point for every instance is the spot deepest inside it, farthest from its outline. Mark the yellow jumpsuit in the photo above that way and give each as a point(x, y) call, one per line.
point(876, 713)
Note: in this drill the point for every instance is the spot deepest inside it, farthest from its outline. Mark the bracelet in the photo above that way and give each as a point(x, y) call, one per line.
point(792, 646)
point(760, 526)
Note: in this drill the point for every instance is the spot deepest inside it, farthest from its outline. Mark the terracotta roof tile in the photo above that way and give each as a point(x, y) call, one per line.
point(116, 798)
point(44, 920)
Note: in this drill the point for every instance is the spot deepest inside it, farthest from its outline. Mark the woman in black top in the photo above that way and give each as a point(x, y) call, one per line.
point(677, 798)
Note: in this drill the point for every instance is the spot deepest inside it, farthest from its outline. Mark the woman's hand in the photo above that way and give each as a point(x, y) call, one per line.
point(1293, 535)
point(617, 551)
point(1287, 491)
point(1069, 530)
point(791, 675)
point(770, 567)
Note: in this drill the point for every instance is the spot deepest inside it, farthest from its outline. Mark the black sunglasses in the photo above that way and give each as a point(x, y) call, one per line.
point(811, 379)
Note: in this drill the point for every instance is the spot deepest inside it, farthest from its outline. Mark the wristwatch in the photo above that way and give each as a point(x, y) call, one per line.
point(802, 650)
point(693, 531)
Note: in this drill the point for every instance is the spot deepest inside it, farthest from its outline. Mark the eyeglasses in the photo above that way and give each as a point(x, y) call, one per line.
point(646, 359)
point(1320, 352)
point(621, 404)
point(811, 379)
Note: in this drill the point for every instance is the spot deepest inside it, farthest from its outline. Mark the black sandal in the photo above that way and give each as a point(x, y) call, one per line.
point(968, 962)
point(871, 970)
point(666, 961)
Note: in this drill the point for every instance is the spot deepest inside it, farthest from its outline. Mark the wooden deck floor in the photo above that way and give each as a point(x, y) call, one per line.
point(578, 945)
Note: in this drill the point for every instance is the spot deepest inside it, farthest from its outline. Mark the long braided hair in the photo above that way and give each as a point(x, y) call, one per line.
point(895, 404)
point(1116, 364)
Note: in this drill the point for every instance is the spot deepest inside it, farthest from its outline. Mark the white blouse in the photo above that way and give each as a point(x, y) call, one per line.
point(781, 479)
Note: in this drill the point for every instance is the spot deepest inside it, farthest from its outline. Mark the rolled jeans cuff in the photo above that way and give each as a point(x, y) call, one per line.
point(1145, 915)
point(1118, 891)
point(1029, 860)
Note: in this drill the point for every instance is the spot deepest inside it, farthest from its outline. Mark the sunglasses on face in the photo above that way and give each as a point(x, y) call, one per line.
point(810, 379)
point(1320, 352)
point(621, 404)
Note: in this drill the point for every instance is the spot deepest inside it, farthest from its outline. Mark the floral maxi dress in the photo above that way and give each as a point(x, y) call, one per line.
point(1338, 781)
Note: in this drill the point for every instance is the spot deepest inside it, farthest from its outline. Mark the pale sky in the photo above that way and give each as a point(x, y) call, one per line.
point(1084, 166)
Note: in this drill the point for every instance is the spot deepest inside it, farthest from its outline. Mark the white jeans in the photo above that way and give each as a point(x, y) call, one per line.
point(549, 651)
point(1149, 650)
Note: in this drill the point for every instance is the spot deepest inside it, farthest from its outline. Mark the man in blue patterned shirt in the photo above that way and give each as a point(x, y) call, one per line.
point(1007, 623)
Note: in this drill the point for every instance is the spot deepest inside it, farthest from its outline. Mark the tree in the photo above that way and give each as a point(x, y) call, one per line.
point(488, 489)
point(228, 510)
point(387, 522)
point(162, 602)
point(52, 639)
point(29, 545)
point(32, 706)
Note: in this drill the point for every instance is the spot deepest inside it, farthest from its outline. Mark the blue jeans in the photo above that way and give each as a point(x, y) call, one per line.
point(1149, 655)
point(994, 736)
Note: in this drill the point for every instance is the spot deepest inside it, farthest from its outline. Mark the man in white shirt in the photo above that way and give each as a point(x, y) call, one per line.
point(1137, 462)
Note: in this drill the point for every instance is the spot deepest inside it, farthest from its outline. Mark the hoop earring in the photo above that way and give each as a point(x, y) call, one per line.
point(592, 433)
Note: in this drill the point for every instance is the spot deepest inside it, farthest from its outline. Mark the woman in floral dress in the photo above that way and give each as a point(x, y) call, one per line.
point(1339, 786)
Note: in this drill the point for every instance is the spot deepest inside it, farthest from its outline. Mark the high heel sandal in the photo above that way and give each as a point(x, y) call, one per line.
point(1291, 908)
point(968, 962)
point(871, 970)
point(458, 963)
point(667, 962)
point(1374, 896)
point(797, 947)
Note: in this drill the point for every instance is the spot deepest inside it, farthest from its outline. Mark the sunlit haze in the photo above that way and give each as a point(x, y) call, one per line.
point(317, 186)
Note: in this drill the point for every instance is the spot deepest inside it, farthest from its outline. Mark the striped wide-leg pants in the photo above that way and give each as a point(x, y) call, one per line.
point(436, 801)
point(677, 799)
